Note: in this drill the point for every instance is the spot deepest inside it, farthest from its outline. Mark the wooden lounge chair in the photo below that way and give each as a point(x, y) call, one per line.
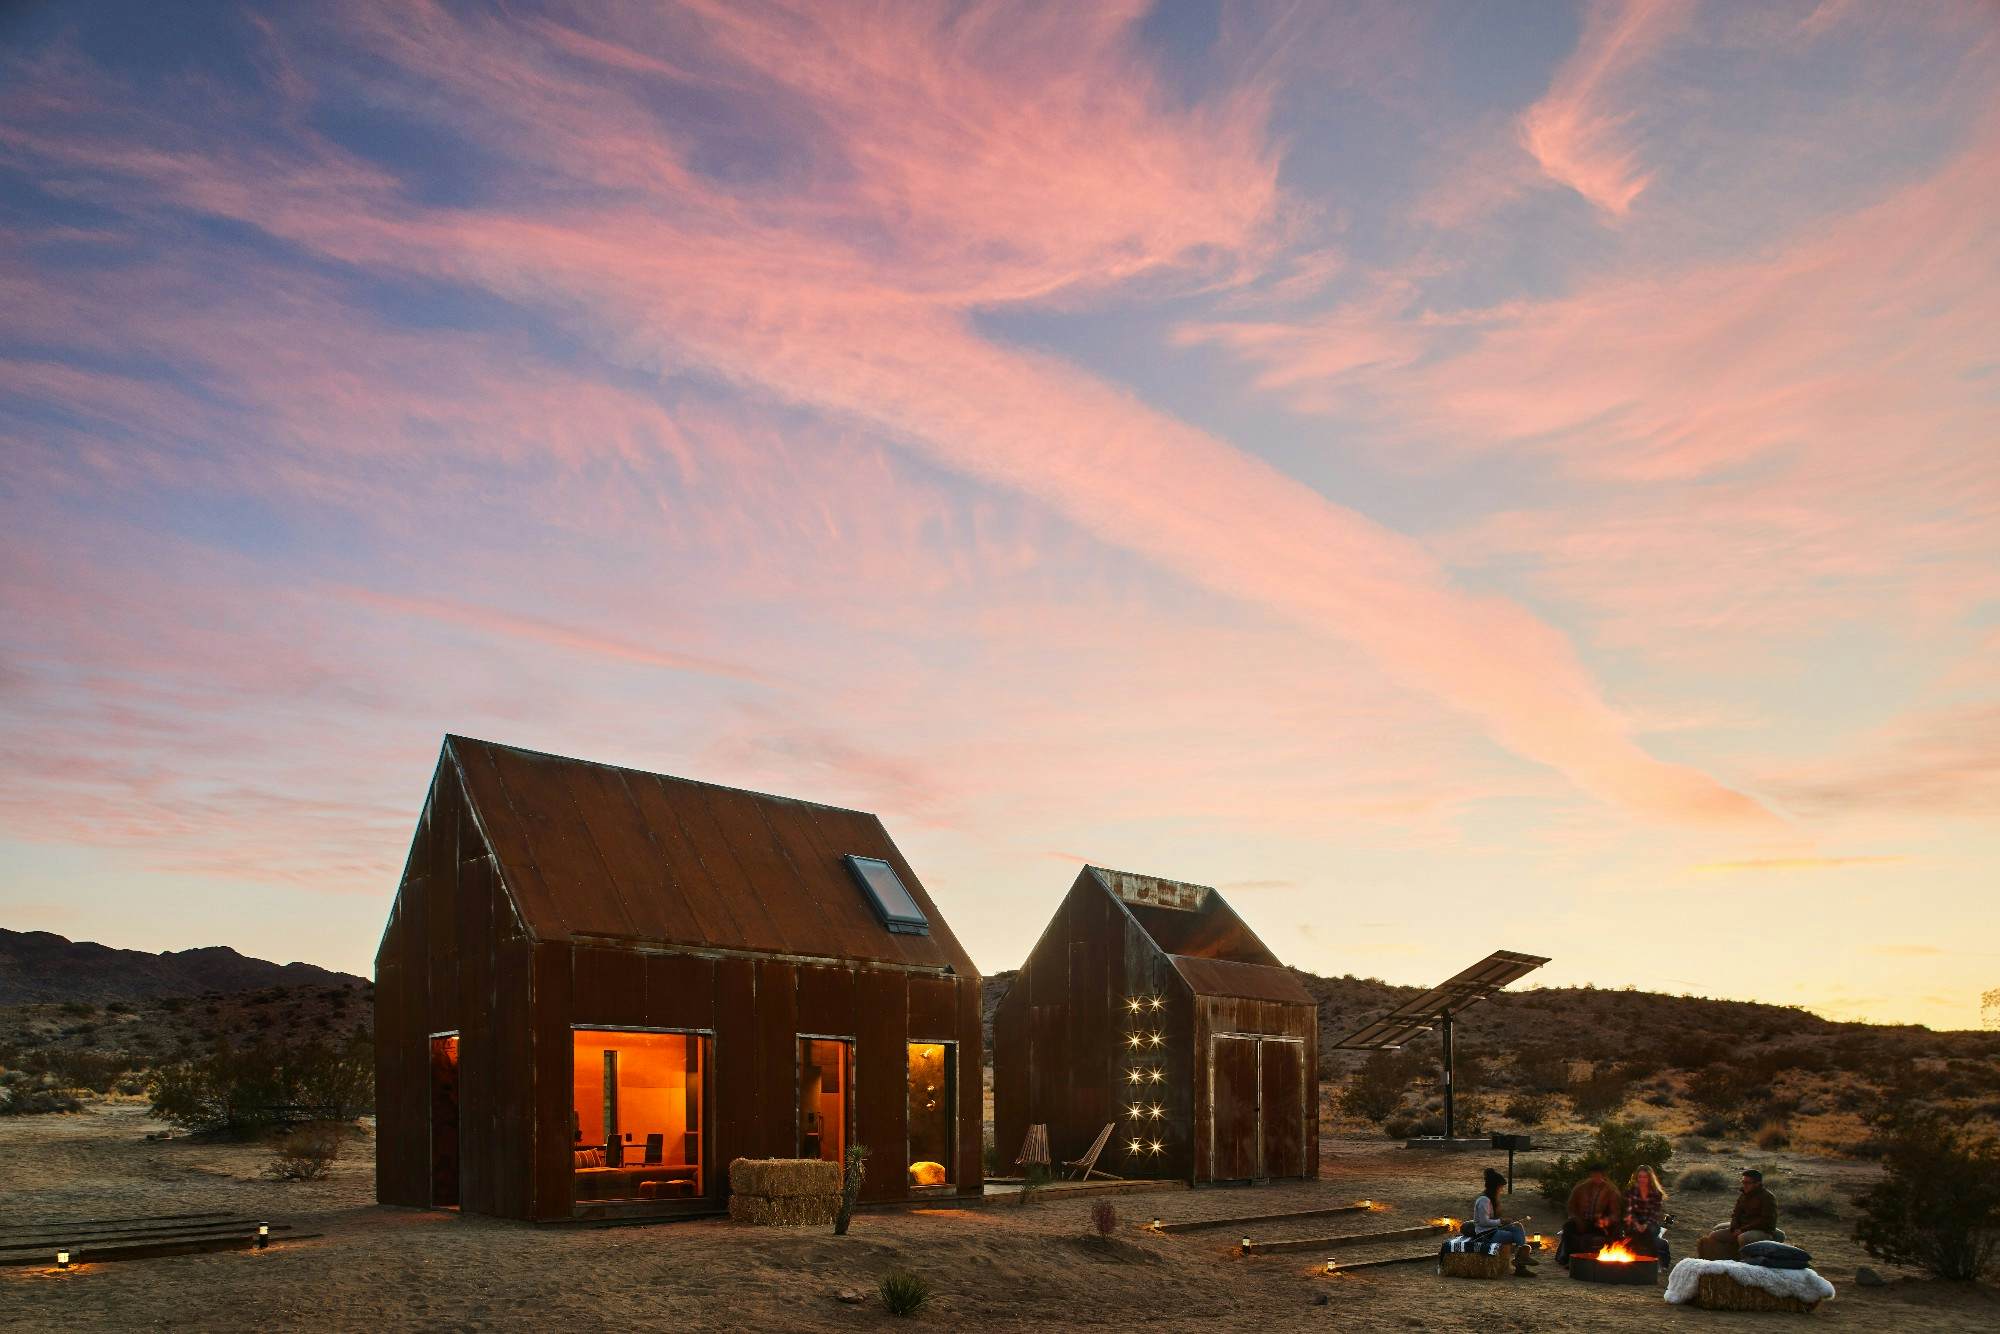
point(1034, 1148)
point(1088, 1163)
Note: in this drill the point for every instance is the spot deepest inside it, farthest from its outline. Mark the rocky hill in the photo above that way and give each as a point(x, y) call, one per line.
point(39, 967)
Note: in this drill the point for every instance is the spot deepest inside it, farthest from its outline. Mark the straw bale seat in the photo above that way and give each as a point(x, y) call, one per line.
point(1470, 1264)
point(1720, 1292)
point(784, 1192)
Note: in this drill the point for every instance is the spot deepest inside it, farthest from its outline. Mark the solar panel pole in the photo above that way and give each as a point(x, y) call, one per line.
point(1450, 1130)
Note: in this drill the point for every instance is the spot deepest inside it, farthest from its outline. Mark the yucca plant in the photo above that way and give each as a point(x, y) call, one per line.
point(903, 1292)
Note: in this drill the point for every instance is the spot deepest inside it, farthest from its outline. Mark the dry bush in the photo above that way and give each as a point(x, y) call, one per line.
point(1104, 1217)
point(1774, 1135)
point(1601, 1093)
point(1703, 1180)
point(1375, 1091)
point(306, 1153)
point(1529, 1109)
point(1937, 1204)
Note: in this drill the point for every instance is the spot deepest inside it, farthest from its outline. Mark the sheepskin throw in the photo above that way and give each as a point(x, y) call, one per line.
point(1801, 1285)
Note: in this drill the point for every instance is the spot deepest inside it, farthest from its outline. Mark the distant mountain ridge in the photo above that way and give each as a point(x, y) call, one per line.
point(38, 967)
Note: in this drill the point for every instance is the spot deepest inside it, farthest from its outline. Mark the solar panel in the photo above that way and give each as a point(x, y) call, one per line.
point(1414, 1018)
point(893, 903)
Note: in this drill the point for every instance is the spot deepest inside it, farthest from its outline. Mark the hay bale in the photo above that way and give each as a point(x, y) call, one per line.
point(1462, 1264)
point(783, 1210)
point(784, 1178)
point(1720, 1292)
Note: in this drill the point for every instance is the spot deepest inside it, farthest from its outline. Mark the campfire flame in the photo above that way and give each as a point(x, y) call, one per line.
point(1617, 1253)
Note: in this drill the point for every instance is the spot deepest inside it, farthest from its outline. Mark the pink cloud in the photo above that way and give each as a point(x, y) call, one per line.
point(1575, 132)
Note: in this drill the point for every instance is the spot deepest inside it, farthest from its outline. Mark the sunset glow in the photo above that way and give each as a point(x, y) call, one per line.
point(1452, 476)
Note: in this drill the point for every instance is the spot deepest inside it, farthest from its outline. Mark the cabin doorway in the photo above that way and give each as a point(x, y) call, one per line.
point(1257, 1107)
point(826, 1097)
point(444, 1121)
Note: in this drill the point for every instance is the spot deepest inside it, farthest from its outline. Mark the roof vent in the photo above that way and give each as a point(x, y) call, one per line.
point(884, 888)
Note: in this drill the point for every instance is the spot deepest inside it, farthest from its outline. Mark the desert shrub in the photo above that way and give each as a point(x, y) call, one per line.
point(174, 1004)
point(1704, 1180)
point(78, 1009)
point(1814, 1201)
point(243, 1090)
point(24, 1094)
point(903, 1293)
point(1541, 1070)
point(1529, 1108)
point(1691, 1049)
point(1773, 1134)
point(850, 1186)
point(1620, 1145)
point(1034, 1176)
point(121, 1007)
point(1104, 1217)
point(1601, 1092)
point(306, 1153)
point(1937, 1204)
point(1720, 1092)
point(1375, 1091)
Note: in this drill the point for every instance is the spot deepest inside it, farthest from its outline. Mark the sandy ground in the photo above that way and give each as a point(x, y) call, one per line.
point(997, 1267)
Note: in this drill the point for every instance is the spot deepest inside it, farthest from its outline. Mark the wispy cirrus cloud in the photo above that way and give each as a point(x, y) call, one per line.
point(1760, 864)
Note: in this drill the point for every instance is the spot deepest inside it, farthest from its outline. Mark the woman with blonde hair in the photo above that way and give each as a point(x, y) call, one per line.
point(1646, 1212)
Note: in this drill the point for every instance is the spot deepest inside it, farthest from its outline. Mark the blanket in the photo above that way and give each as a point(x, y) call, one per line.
point(1804, 1284)
point(1472, 1246)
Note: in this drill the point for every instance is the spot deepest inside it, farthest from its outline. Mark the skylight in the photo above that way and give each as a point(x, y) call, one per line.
point(893, 903)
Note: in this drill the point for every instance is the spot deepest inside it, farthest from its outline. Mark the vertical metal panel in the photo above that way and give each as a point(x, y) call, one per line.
point(757, 929)
point(509, 1113)
point(680, 991)
point(485, 792)
point(1233, 1124)
point(826, 1000)
point(642, 873)
point(822, 842)
point(1282, 1098)
point(441, 912)
point(1012, 1053)
point(933, 1008)
point(609, 986)
point(971, 1176)
point(777, 1058)
point(480, 1161)
point(547, 1137)
point(543, 806)
point(880, 1074)
point(738, 1130)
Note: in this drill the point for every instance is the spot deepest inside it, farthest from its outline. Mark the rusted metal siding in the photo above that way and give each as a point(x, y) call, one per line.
point(1059, 1034)
point(481, 942)
point(621, 855)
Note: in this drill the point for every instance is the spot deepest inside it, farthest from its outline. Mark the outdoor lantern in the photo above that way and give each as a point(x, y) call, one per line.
point(1156, 1225)
point(62, 1259)
point(1329, 1266)
point(1246, 1245)
point(263, 1235)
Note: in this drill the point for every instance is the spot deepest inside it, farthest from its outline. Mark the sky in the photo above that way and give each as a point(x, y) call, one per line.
point(1453, 476)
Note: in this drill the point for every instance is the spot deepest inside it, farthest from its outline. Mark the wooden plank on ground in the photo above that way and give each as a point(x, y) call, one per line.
point(42, 1225)
point(154, 1250)
point(1349, 1266)
point(1199, 1224)
point(77, 1236)
point(1354, 1239)
point(11, 1248)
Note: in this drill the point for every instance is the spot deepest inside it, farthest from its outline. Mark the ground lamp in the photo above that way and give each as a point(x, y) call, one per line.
point(62, 1259)
point(263, 1235)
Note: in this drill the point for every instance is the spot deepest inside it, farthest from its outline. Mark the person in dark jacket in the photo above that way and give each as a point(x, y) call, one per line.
point(1596, 1214)
point(1755, 1218)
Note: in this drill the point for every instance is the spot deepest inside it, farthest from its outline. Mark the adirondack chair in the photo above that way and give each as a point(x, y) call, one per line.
point(1035, 1148)
point(1088, 1163)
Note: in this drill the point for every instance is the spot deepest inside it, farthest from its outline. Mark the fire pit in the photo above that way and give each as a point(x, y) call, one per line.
point(1616, 1263)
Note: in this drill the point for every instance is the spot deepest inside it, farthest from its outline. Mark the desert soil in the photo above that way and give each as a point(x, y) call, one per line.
point(1001, 1266)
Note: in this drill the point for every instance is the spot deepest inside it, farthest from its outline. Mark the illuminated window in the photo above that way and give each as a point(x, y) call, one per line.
point(638, 1123)
point(826, 1091)
point(931, 1108)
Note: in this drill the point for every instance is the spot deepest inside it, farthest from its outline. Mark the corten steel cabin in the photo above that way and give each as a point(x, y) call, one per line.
point(1150, 1005)
point(598, 986)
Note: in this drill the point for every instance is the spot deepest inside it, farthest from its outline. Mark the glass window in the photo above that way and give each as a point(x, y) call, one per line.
point(826, 1091)
point(893, 903)
point(637, 1119)
point(931, 1105)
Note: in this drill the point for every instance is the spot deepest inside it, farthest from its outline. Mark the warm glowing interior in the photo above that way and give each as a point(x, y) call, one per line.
point(636, 1120)
point(931, 1067)
point(826, 1091)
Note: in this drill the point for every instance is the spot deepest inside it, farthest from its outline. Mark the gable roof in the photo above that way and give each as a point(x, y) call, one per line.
point(606, 855)
point(1214, 951)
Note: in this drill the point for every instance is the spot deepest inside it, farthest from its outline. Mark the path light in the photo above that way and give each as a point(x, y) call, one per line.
point(1246, 1245)
point(62, 1259)
point(263, 1235)
point(1331, 1266)
point(1155, 1225)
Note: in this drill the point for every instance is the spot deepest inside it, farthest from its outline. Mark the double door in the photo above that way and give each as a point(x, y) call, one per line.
point(1257, 1107)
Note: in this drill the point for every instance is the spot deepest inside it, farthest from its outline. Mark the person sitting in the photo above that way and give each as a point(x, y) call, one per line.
point(1646, 1214)
point(1755, 1218)
point(1488, 1226)
point(1596, 1214)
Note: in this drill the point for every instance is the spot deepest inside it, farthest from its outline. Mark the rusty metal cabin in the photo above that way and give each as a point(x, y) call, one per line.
point(1149, 1004)
point(598, 986)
